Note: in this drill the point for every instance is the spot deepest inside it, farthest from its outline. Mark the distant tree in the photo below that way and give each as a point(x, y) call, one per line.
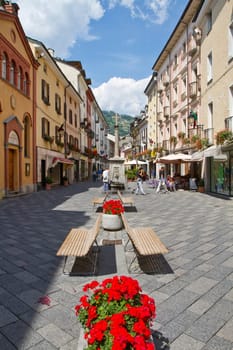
point(124, 125)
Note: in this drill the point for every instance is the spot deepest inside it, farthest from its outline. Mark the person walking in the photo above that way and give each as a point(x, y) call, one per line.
point(105, 177)
point(140, 178)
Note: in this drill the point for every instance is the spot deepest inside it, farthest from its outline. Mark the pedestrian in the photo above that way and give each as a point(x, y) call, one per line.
point(105, 177)
point(94, 175)
point(171, 183)
point(140, 179)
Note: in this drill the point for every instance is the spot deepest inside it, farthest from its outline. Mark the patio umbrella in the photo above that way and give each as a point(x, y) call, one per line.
point(135, 162)
point(174, 158)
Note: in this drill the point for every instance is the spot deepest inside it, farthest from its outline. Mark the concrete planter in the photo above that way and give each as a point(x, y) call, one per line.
point(111, 222)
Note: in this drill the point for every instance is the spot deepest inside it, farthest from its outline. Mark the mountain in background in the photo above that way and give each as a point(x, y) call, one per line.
point(124, 123)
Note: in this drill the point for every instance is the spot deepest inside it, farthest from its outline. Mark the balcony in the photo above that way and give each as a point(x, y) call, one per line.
point(160, 87)
point(160, 116)
point(193, 89)
point(198, 131)
point(166, 111)
point(166, 80)
point(192, 49)
point(166, 144)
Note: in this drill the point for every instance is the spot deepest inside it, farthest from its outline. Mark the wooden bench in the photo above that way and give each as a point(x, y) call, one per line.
point(125, 200)
point(99, 200)
point(79, 242)
point(144, 240)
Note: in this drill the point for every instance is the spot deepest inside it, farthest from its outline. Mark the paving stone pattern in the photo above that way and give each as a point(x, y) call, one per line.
point(192, 284)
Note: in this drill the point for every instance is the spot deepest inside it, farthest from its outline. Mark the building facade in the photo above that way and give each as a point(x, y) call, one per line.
point(17, 106)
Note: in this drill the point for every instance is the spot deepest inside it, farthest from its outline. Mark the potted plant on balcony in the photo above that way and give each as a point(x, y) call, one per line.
point(115, 314)
point(111, 219)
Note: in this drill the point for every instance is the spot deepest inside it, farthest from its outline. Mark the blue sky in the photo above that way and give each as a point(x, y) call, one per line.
point(117, 41)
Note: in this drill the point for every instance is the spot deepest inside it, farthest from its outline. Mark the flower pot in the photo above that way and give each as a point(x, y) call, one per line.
point(111, 222)
point(201, 189)
point(48, 187)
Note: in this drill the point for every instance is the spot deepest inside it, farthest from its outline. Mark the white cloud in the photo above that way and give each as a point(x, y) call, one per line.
point(155, 11)
point(59, 24)
point(121, 95)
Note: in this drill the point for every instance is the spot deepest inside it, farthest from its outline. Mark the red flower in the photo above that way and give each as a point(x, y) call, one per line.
point(113, 206)
point(116, 315)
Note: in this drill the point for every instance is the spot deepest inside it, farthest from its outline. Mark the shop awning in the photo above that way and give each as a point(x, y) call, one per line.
point(65, 161)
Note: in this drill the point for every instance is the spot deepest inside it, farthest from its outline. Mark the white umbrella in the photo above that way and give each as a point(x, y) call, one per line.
point(135, 162)
point(174, 158)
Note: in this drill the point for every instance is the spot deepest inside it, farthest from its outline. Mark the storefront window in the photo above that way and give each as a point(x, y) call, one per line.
point(220, 175)
point(231, 182)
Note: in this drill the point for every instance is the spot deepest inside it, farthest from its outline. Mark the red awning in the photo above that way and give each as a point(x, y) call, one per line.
point(65, 161)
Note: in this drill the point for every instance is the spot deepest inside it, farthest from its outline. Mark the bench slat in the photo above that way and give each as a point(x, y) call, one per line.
point(125, 200)
point(99, 200)
point(79, 241)
point(144, 239)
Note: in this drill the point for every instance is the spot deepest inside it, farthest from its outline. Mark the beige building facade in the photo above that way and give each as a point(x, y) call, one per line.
point(194, 104)
point(215, 21)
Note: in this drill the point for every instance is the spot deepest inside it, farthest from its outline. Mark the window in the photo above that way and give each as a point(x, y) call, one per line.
point(208, 22)
point(210, 116)
point(12, 73)
point(4, 66)
point(45, 91)
point(45, 127)
point(209, 68)
point(230, 41)
point(70, 117)
point(75, 120)
point(231, 101)
point(58, 103)
point(229, 124)
point(26, 84)
point(19, 78)
point(184, 49)
point(175, 61)
point(26, 136)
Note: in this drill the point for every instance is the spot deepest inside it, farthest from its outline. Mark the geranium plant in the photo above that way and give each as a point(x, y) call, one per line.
point(113, 206)
point(116, 315)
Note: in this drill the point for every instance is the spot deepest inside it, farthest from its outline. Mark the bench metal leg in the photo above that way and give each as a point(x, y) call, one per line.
point(92, 260)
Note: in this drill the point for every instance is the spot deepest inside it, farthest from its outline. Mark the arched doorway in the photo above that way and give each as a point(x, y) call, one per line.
point(13, 162)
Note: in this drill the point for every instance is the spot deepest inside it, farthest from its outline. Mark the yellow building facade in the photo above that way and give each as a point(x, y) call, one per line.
point(17, 110)
point(57, 120)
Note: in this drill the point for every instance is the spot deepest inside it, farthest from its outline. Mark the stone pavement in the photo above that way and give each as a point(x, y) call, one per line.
point(193, 288)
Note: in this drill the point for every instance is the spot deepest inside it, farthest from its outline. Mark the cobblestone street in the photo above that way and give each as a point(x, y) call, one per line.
point(192, 288)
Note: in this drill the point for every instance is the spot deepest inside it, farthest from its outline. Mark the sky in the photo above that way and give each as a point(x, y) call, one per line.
point(117, 42)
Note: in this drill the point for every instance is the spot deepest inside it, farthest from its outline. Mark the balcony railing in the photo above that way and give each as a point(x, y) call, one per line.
point(198, 131)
